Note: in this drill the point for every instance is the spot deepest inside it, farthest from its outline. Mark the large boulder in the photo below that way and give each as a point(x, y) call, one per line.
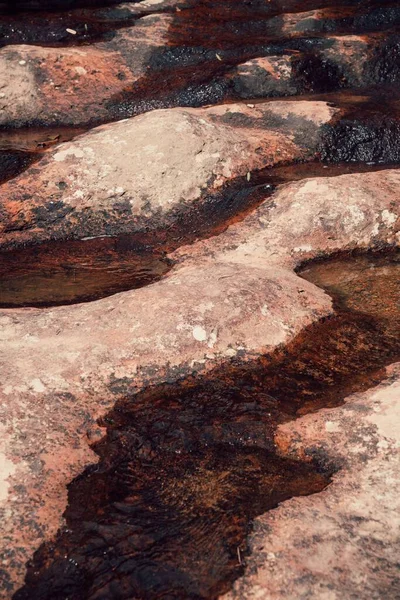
point(143, 173)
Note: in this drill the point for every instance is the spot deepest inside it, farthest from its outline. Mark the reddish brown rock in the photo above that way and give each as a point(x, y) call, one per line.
point(129, 176)
point(75, 85)
point(339, 62)
point(76, 26)
point(232, 295)
point(314, 217)
point(265, 77)
point(357, 19)
point(151, 65)
point(343, 542)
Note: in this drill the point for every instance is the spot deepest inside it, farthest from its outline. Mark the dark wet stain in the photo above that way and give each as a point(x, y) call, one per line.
point(230, 24)
point(384, 66)
point(20, 148)
point(314, 73)
point(227, 24)
point(208, 40)
point(68, 272)
point(185, 468)
point(375, 142)
point(15, 6)
point(14, 162)
point(368, 131)
point(68, 28)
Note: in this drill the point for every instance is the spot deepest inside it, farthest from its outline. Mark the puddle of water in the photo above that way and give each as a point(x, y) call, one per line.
point(185, 468)
point(193, 505)
point(35, 139)
point(20, 148)
point(295, 172)
point(365, 284)
point(68, 272)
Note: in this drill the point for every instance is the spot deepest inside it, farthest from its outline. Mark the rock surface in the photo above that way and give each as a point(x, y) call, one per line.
point(129, 176)
point(72, 86)
point(343, 542)
point(159, 61)
point(234, 295)
point(172, 178)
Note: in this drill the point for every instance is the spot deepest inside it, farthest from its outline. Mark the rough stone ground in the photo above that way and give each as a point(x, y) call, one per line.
point(129, 175)
point(343, 542)
point(235, 295)
point(232, 294)
point(110, 79)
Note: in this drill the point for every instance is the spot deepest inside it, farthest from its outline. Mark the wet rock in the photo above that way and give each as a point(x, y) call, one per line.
point(75, 27)
point(157, 64)
point(12, 163)
point(231, 296)
point(343, 542)
point(73, 85)
point(129, 176)
point(17, 5)
point(265, 77)
point(341, 20)
point(229, 301)
point(324, 65)
point(191, 428)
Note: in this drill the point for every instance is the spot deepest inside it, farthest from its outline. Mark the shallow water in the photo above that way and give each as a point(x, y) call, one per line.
point(185, 468)
point(67, 272)
point(20, 148)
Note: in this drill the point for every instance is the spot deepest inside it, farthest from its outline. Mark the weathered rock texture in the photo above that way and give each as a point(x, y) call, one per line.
point(232, 297)
point(343, 542)
point(186, 57)
point(129, 176)
point(235, 295)
point(74, 85)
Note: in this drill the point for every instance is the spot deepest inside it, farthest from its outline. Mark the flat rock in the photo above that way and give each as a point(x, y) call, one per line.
point(231, 296)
